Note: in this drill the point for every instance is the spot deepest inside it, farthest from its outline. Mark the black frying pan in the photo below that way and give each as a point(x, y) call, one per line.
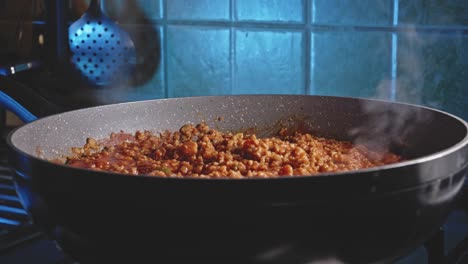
point(366, 216)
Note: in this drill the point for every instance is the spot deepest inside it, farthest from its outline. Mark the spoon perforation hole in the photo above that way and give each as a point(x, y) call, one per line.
point(88, 22)
point(99, 35)
point(105, 29)
point(87, 35)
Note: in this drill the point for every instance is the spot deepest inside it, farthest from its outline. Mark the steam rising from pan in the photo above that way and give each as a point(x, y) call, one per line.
point(387, 127)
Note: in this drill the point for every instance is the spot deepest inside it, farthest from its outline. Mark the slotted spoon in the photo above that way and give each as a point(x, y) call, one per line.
point(101, 50)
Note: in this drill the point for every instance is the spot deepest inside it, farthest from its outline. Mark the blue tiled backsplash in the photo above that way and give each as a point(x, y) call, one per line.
point(408, 50)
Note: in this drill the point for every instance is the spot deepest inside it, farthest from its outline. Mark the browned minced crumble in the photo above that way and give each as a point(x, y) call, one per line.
point(200, 151)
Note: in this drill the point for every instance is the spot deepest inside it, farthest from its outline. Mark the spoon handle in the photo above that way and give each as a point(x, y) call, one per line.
point(94, 8)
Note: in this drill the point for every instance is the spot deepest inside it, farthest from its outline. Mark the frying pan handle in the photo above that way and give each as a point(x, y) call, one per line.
point(9, 103)
point(27, 98)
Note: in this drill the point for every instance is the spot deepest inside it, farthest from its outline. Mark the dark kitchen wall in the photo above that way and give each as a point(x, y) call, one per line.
point(409, 50)
point(17, 29)
point(23, 30)
point(404, 50)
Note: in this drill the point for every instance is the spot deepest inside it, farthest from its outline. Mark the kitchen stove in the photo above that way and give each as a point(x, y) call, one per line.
point(22, 242)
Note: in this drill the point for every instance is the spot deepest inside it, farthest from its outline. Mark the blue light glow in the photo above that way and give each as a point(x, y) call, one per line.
point(10, 104)
point(13, 210)
point(6, 187)
point(24, 176)
point(9, 222)
point(9, 198)
point(89, 28)
point(4, 72)
point(22, 190)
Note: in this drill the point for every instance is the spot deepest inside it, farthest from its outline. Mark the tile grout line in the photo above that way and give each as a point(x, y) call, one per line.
point(311, 47)
point(275, 26)
point(394, 58)
point(233, 47)
point(165, 49)
point(306, 48)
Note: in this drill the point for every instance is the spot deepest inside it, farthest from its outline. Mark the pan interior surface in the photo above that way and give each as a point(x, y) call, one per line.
point(408, 130)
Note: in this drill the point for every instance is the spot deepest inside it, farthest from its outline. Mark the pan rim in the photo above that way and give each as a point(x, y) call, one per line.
point(411, 162)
